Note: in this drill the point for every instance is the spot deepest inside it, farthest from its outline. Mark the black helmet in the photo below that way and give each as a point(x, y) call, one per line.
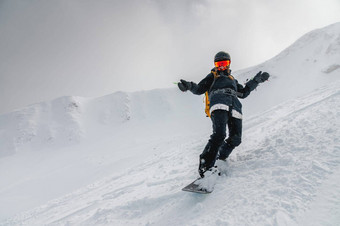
point(221, 56)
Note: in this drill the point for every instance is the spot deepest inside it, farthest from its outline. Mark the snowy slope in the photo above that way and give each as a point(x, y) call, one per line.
point(123, 158)
point(290, 159)
point(52, 148)
point(312, 61)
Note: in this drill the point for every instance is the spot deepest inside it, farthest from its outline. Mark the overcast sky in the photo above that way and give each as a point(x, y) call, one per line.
point(92, 48)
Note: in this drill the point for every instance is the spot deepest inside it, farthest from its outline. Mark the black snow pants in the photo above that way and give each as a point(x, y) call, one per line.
point(217, 147)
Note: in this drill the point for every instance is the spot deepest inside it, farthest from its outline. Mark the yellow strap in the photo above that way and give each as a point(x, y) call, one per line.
point(207, 105)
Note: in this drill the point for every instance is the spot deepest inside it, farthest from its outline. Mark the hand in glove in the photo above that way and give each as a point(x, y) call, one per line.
point(261, 77)
point(184, 85)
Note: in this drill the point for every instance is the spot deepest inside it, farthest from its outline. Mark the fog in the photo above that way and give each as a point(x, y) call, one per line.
point(93, 48)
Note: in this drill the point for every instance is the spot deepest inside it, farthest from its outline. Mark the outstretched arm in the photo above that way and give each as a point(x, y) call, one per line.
point(243, 92)
point(199, 88)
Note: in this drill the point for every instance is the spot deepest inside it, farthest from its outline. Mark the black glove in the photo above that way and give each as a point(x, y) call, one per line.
point(184, 85)
point(261, 77)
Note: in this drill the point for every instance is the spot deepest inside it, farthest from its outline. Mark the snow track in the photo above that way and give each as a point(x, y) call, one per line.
point(284, 166)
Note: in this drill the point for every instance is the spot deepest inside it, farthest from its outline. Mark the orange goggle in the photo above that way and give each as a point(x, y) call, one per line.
point(223, 63)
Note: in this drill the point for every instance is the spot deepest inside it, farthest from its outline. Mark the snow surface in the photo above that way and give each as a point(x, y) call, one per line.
point(122, 159)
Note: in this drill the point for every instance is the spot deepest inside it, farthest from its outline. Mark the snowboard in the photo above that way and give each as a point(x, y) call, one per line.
point(194, 187)
point(203, 185)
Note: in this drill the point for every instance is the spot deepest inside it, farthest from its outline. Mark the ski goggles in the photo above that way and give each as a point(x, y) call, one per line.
point(223, 63)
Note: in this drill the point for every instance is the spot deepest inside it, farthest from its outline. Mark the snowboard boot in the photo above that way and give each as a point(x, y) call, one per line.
point(202, 167)
point(211, 171)
point(208, 158)
point(205, 170)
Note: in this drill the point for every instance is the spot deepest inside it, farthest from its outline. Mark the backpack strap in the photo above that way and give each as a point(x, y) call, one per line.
point(214, 72)
point(207, 102)
point(216, 75)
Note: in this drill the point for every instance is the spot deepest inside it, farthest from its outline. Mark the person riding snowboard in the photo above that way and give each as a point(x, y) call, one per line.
point(225, 108)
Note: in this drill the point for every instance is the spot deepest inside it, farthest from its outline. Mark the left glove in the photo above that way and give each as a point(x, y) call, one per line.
point(261, 77)
point(184, 85)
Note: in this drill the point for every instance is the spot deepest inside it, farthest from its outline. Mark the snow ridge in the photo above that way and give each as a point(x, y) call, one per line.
point(68, 120)
point(308, 64)
point(52, 123)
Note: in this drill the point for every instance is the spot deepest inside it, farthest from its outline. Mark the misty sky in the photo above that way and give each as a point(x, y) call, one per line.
point(92, 48)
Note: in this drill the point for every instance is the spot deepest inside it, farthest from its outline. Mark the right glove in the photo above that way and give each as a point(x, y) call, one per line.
point(184, 85)
point(261, 77)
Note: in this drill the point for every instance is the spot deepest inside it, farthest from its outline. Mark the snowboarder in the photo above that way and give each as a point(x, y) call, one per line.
point(225, 108)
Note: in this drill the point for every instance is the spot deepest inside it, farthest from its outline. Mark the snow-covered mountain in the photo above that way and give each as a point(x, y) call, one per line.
point(312, 61)
point(68, 120)
point(122, 159)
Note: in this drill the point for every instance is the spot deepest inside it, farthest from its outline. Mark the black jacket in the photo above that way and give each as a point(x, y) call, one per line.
point(222, 82)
